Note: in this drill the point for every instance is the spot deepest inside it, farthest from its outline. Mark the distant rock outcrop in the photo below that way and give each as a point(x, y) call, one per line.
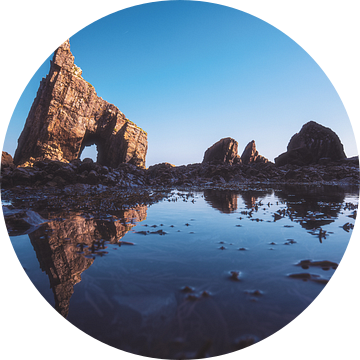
point(67, 115)
point(251, 155)
point(314, 144)
point(223, 151)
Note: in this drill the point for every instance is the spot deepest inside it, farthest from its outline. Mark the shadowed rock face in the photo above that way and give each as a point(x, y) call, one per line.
point(224, 151)
point(312, 145)
point(67, 115)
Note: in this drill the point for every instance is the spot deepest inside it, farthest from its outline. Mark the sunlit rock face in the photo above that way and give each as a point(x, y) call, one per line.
point(314, 144)
point(223, 151)
point(251, 155)
point(67, 115)
point(6, 160)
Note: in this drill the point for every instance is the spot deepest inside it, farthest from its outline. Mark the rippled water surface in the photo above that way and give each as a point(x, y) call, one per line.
point(197, 274)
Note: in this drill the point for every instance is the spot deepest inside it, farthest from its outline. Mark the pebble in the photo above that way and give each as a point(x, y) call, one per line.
point(311, 277)
point(187, 289)
point(255, 292)
point(324, 264)
point(234, 275)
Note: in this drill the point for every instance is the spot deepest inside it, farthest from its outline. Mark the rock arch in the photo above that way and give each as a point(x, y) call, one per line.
point(67, 114)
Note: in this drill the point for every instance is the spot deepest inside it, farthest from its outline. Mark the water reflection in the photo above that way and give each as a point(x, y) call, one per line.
point(224, 201)
point(136, 300)
point(66, 248)
point(310, 207)
point(252, 197)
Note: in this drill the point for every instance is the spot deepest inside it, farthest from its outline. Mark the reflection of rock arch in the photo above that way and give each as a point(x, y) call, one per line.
point(61, 262)
point(65, 249)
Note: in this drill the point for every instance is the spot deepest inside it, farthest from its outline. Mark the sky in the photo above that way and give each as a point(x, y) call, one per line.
point(191, 73)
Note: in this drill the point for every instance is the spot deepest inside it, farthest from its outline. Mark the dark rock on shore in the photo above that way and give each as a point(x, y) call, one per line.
point(21, 221)
point(314, 144)
point(57, 174)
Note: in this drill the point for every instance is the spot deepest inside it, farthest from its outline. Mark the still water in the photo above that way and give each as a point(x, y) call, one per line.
point(197, 274)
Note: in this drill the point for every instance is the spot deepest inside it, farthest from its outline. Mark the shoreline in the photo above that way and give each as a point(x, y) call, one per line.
point(95, 190)
point(108, 200)
point(59, 175)
point(25, 208)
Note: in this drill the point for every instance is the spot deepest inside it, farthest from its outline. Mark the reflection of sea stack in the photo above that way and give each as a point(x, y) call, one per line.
point(225, 202)
point(306, 208)
point(67, 115)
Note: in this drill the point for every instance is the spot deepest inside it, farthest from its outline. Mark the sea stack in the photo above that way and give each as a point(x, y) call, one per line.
point(67, 115)
point(312, 145)
point(251, 155)
point(223, 151)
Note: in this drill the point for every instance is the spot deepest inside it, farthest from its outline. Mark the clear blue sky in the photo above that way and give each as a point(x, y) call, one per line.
point(191, 73)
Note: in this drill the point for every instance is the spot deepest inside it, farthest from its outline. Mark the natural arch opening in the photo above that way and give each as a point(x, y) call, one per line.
point(89, 152)
point(91, 147)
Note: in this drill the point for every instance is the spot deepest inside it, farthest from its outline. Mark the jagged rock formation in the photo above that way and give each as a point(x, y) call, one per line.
point(67, 115)
point(251, 155)
point(6, 160)
point(223, 151)
point(314, 144)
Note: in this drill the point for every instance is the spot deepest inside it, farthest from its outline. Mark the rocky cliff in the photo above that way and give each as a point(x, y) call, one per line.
point(67, 115)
